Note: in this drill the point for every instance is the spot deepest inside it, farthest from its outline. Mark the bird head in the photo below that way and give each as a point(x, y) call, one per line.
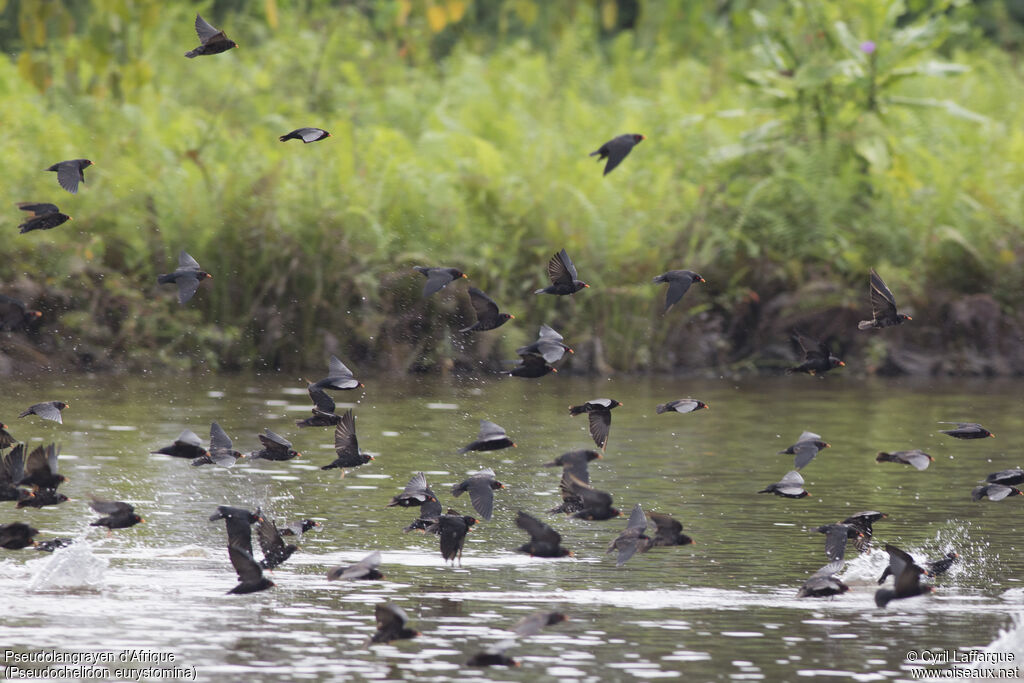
point(903, 316)
point(637, 138)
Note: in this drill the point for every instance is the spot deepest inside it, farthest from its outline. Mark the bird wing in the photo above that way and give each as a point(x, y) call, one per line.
point(676, 289)
point(417, 485)
point(617, 149)
point(483, 305)
point(561, 271)
point(189, 438)
point(998, 491)
point(68, 176)
point(338, 370)
point(219, 440)
point(883, 305)
point(835, 542)
point(52, 453)
point(829, 569)
point(437, 278)
point(110, 507)
point(548, 333)
point(538, 530)
point(918, 459)
point(247, 568)
point(390, 616)
point(803, 453)
point(321, 400)
point(359, 569)
point(489, 431)
point(38, 209)
point(188, 285)
point(668, 527)
point(791, 484)
point(36, 463)
point(47, 411)
point(13, 470)
point(310, 134)
point(600, 425)
point(271, 542)
point(206, 32)
point(239, 533)
point(271, 440)
point(186, 262)
point(808, 436)
point(345, 442)
point(637, 519)
point(811, 347)
point(481, 495)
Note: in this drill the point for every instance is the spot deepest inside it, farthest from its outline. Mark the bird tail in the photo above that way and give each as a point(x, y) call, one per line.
point(23, 228)
point(285, 138)
point(865, 324)
point(883, 596)
point(538, 291)
point(660, 409)
point(192, 53)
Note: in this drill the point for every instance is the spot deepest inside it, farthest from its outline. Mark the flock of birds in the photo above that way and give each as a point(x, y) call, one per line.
point(32, 479)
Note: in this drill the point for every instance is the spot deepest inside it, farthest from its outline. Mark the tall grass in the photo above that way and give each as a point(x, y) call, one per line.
point(480, 161)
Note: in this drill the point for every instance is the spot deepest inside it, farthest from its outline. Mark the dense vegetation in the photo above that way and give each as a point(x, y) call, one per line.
point(791, 145)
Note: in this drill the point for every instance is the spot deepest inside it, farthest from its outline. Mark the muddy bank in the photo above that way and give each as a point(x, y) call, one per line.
point(101, 322)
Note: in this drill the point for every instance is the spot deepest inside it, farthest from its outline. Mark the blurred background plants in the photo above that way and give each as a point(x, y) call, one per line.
point(790, 143)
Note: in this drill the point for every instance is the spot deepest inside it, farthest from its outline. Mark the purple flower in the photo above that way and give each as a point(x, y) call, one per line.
point(867, 47)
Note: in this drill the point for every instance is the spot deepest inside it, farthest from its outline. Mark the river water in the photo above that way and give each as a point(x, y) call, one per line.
point(724, 608)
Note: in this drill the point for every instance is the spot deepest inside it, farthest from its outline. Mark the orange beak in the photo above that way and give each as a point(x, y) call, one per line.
point(554, 370)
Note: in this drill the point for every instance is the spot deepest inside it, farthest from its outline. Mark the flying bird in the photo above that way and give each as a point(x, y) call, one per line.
point(307, 135)
point(679, 282)
point(275, 447)
point(805, 448)
point(1010, 477)
point(250, 574)
point(824, 582)
point(271, 543)
point(187, 277)
point(212, 41)
point(323, 410)
point(966, 430)
point(863, 522)
point(222, 451)
point(365, 569)
point(549, 346)
point(43, 217)
point(391, 624)
point(599, 412)
point(790, 486)
point(346, 446)
point(681, 405)
point(562, 273)
point(491, 437)
point(617, 149)
point(12, 473)
point(669, 531)
point(531, 367)
point(49, 410)
point(15, 315)
point(187, 445)
point(70, 173)
point(118, 515)
point(299, 528)
point(532, 624)
point(916, 458)
point(544, 540)
point(487, 315)
point(41, 469)
point(584, 501)
point(632, 539)
point(339, 378)
point(818, 357)
point(883, 307)
point(993, 491)
point(437, 278)
point(494, 655)
point(416, 493)
point(576, 463)
point(452, 529)
point(836, 536)
point(906, 575)
point(481, 487)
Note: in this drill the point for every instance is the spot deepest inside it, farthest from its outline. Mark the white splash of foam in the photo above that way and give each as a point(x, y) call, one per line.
point(68, 569)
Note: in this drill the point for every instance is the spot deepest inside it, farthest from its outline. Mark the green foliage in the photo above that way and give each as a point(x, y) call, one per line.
point(778, 149)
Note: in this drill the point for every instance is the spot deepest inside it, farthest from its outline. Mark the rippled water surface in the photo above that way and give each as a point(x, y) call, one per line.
point(724, 608)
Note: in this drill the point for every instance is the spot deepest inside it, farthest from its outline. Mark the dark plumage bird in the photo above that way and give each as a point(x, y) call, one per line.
point(430, 512)
point(617, 149)
point(549, 347)
point(212, 40)
point(16, 535)
point(824, 582)
point(339, 378)
point(437, 278)
point(836, 536)
point(187, 445)
point(452, 529)
point(818, 357)
point(481, 487)
point(916, 458)
point(250, 574)
point(493, 656)
point(232, 513)
point(365, 569)
point(298, 528)
point(680, 405)
point(600, 414)
point(416, 493)
point(863, 522)
point(544, 541)
point(532, 624)
point(575, 462)
point(44, 217)
point(993, 491)
point(805, 448)
point(15, 315)
point(307, 135)
point(12, 473)
point(790, 486)
point(679, 282)
point(41, 468)
point(906, 575)
point(487, 315)
point(942, 565)
point(187, 277)
point(531, 367)
point(669, 531)
point(562, 273)
point(271, 543)
point(585, 501)
point(391, 624)
point(966, 430)
point(491, 437)
point(275, 447)
point(222, 452)
point(346, 446)
point(1011, 477)
point(43, 498)
point(633, 539)
point(883, 307)
point(6, 440)
point(53, 544)
point(323, 410)
point(118, 515)
point(50, 410)
point(70, 173)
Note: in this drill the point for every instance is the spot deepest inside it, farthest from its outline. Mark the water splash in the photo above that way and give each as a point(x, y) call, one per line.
point(1011, 638)
point(74, 568)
